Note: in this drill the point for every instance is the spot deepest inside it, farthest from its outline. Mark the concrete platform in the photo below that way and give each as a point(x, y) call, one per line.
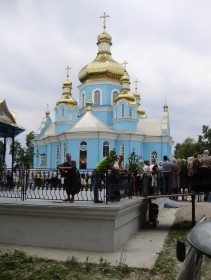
point(78, 225)
point(141, 250)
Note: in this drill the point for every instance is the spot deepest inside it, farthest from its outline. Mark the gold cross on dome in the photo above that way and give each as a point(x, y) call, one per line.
point(136, 83)
point(125, 63)
point(67, 68)
point(104, 20)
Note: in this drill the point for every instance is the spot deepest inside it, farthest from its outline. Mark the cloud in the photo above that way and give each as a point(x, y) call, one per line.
point(167, 44)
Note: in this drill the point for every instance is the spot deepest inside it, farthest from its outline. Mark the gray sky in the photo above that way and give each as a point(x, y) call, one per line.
point(167, 44)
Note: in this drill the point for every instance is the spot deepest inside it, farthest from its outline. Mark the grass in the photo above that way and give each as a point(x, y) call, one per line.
point(16, 265)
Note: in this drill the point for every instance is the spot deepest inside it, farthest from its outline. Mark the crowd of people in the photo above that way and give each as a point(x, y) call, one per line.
point(166, 177)
point(174, 176)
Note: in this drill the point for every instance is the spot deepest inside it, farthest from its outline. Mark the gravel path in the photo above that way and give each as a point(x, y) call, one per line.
point(185, 212)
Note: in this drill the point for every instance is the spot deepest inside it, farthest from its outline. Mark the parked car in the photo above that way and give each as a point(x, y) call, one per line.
point(199, 239)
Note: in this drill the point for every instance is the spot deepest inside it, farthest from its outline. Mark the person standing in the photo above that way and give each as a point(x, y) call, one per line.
point(146, 178)
point(154, 183)
point(68, 170)
point(167, 175)
point(175, 176)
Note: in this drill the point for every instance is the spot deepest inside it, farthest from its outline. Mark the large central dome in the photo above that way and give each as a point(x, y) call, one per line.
point(103, 66)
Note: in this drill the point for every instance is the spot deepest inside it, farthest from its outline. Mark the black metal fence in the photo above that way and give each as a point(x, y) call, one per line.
point(48, 184)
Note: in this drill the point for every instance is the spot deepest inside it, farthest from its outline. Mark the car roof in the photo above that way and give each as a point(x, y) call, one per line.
point(200, 237)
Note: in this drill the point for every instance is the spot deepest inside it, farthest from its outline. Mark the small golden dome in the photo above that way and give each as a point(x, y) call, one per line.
point(141, 112)
point(165, 107)
point(68, 100)
point(136, 94)
point(104, 36)
point(125, 78)
point(67, 82)
point(126, 96)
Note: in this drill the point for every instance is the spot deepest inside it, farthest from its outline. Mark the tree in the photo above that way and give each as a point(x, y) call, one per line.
point(205, 138)
point(190, 146)
point(134, 162)
point(23, 155)
point(186, 149)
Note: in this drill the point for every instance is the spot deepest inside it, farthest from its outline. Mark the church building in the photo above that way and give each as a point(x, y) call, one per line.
point(106, 116)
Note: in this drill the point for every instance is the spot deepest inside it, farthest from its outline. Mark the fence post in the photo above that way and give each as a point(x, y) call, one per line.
point(23, 183)
point(106, 184)
point(193, 209)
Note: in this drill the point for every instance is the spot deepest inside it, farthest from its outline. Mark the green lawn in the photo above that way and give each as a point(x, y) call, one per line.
point(16, 265)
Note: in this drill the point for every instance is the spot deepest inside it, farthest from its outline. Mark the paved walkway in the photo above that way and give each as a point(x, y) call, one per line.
point(140, 251)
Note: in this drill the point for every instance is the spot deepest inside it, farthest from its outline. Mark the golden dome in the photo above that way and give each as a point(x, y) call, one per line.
point(125, 93)
point(66, 97)
point(67, 82)
point(141, 112)
point(68, 100)
point(103, 66)
point(165, 107)
point(136, 94)
point(104, 36)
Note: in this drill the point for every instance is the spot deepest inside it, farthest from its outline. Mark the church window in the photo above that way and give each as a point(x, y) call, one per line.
point(57, 155)
point(70, 115)
point(154, 156)
point(62, 114)
point(83, 155)
point(97, 97)
point(131, 112)
point(123, 110)
point(83, 100)
point(106, 148)
point(43, 159)
point(64, 151)
point(115, 94)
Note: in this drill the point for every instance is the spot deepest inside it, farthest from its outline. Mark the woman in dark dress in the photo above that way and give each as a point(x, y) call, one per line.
point(68, 171)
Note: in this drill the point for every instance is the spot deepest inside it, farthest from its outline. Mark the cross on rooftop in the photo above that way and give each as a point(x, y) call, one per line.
point(125, 63)
point(104, 20)
point(67, 68)
point(136, 83)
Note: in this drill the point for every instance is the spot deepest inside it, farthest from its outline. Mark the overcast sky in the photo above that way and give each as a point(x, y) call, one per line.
point(167, 44)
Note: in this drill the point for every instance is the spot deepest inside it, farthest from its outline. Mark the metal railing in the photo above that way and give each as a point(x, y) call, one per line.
point(46, 184)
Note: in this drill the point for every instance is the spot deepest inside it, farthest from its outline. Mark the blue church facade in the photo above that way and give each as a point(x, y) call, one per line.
point(107, 116)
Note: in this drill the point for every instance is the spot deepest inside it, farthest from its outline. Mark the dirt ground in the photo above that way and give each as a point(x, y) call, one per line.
point(201, 208)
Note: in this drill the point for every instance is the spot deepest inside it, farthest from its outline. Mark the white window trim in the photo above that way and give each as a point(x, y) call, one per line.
point(93, 96)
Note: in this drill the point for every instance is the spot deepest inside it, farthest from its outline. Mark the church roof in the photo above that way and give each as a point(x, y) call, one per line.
point(90, 123)
point(50, 131)
point(150, 127)
point(8, 125)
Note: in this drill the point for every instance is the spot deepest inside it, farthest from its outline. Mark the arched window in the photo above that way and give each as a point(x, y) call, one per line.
point(106, 148)
point(83, 155)
point(70, 116)
point(154, 157)
point(97, 97)
point(83, 100)
point(57, 155)
point(131, 112)
point(43, 160)
point(64, 152)
point(62, 113)
point(115, 94)
point(123, 110)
